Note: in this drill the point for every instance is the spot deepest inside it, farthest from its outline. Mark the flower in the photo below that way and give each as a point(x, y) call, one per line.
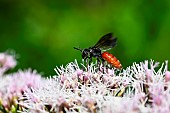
point(138, 88)
point(167, 76)
point(6, 62)
point(12, 86)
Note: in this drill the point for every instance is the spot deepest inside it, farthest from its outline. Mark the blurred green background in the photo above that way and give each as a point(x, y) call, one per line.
point(44, 32)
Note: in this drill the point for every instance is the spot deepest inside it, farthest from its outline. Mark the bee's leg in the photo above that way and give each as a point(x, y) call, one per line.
point(90, 60)
point(89, 63)
point(104, 65)
point(108, 66)
point(98, 62)
point(86, 62)
point(101, 64)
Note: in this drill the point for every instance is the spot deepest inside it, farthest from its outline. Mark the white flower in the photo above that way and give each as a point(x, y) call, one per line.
point(135, 89)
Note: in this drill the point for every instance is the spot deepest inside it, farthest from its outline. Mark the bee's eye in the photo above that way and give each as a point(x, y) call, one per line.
point(85, 51)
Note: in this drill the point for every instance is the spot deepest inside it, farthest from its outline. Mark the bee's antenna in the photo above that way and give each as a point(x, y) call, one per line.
point(78, 49)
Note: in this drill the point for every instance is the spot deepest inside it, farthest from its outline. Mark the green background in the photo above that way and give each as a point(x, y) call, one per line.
point(44, 32)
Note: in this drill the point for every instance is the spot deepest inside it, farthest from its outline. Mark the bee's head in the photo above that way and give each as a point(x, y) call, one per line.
point(85, 53)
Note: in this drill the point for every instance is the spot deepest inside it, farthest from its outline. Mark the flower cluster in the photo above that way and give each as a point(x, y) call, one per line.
point(141, 88)
point(13, 85)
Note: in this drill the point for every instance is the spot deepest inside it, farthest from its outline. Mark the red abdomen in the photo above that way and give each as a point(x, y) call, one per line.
point(111, 60)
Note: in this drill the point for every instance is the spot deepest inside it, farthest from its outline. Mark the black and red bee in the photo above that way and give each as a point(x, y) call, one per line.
point(105, 43)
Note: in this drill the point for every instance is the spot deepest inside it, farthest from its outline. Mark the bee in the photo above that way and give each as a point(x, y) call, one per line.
point(105, 43)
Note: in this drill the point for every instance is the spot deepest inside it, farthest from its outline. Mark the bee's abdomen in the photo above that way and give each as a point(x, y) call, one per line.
point(111, 59)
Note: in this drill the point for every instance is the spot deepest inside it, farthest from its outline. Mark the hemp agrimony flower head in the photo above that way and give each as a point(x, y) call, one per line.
point(138, 88)
point(6, 62)
point(13, 85)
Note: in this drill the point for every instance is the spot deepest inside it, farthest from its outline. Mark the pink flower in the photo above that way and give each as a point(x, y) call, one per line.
point(6, 62)
point(79, 72)
point(14, 85)
point(157, 100)
point(24, 80)
point(167, 76)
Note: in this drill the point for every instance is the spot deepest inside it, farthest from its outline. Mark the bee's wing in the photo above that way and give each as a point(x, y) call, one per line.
point(106, 42)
